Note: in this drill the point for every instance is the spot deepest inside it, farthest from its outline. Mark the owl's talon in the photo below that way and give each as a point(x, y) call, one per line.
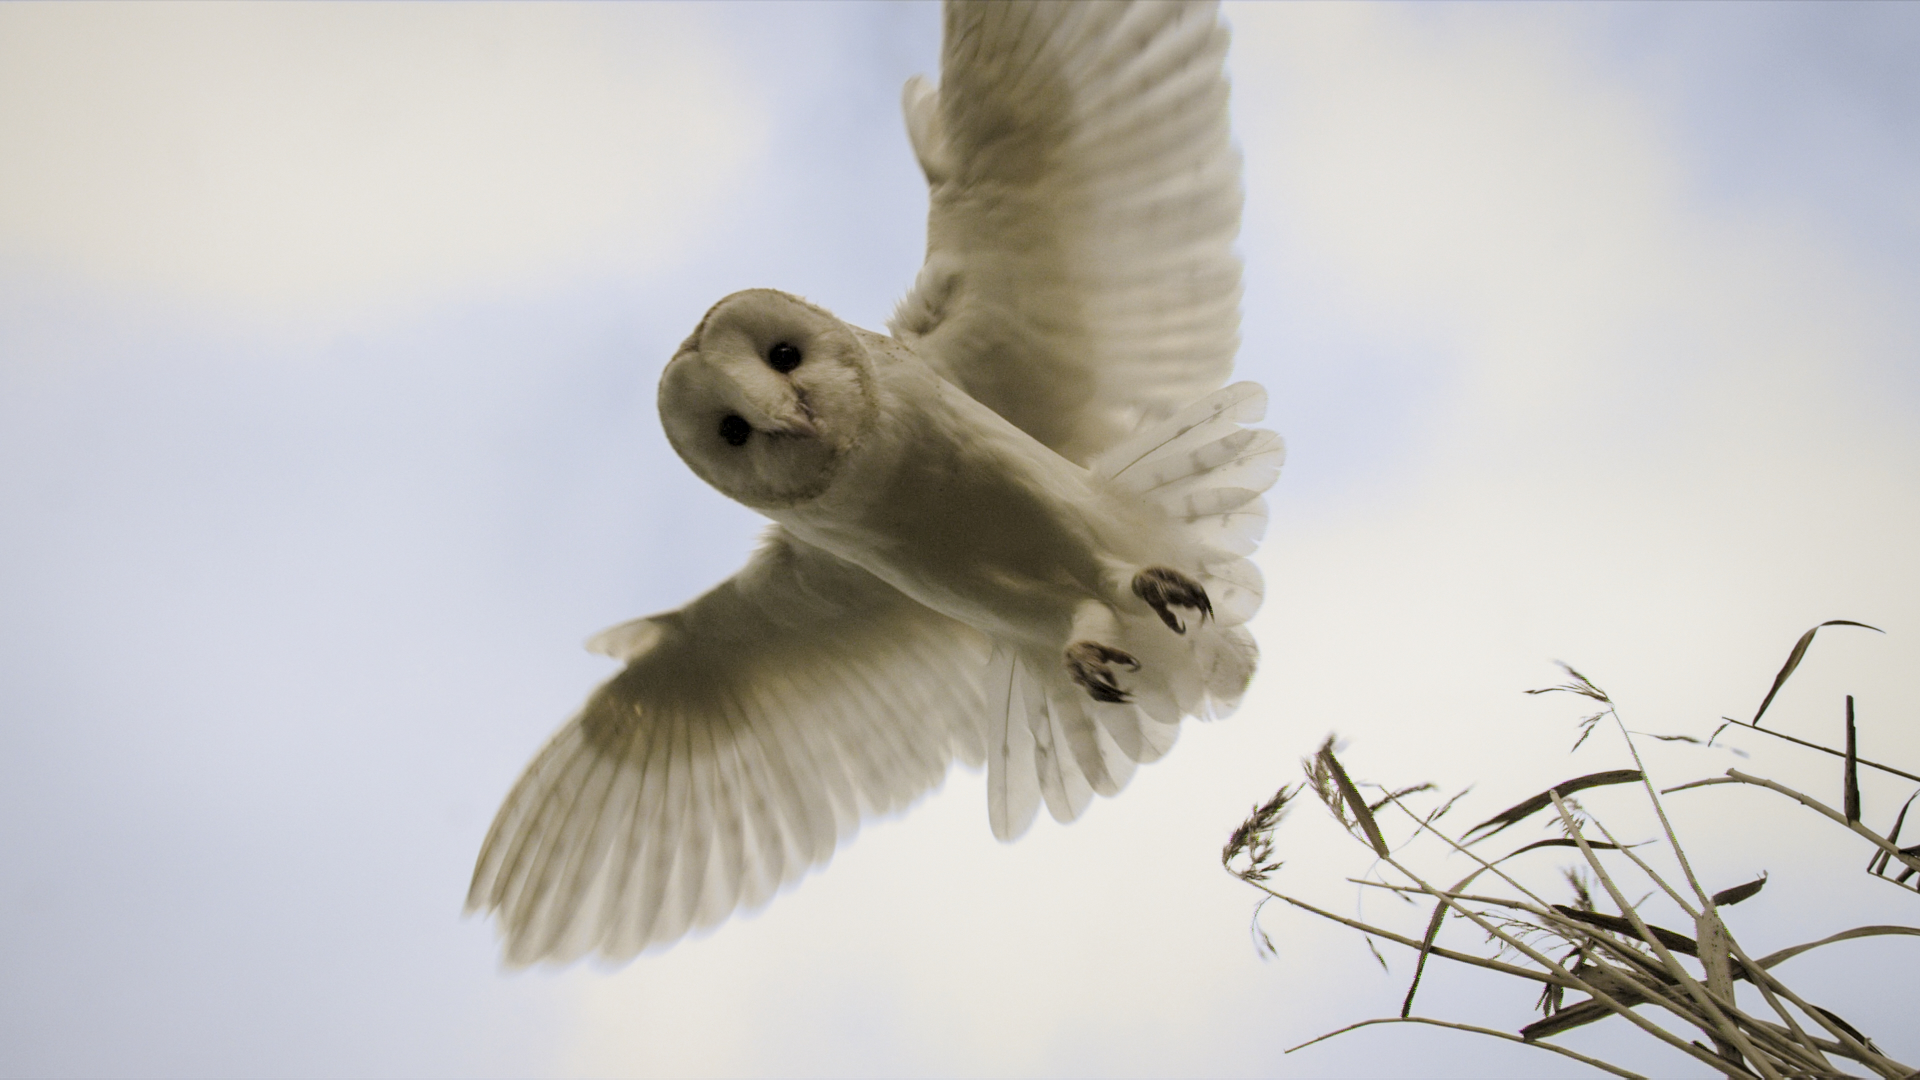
point(1162, 589)
point(1089, 664)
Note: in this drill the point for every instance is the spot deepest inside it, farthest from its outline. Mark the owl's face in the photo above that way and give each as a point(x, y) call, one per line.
point(767, 397)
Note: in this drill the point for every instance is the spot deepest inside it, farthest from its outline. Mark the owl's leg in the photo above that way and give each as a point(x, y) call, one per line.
point(1090, 662)
point(1165, 589)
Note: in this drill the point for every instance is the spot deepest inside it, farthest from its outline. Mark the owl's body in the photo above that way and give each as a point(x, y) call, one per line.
point(1016, 530)
point(954, 506)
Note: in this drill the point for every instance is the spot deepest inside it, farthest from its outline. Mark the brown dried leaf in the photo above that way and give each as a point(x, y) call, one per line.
point(1882, 858)
point(1520, 811)
point(1576, 1015)
point(1773, 958)
point(1846, 1027)
point(1674, 942)
point(1739, 892)
point(1793, 661)
point(1597, 845)
point(1349, 794)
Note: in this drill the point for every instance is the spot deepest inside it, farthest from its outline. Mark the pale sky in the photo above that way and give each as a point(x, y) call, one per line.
point(328, 337)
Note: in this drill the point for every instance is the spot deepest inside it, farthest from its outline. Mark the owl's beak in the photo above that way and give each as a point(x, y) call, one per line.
point(799, 421)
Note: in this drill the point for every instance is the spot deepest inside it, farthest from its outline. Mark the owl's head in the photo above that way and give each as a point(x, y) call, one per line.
point(767, 397)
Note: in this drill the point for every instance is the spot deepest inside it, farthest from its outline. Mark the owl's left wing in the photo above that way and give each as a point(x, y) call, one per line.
point(1084, 200)
point(751, 731)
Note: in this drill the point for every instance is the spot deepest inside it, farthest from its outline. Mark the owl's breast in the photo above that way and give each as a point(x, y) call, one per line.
point(957, 508)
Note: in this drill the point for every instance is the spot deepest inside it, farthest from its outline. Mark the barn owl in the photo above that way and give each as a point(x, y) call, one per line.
point(1014, 529)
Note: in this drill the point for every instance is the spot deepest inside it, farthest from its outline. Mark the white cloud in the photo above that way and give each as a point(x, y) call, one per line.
point(300, 159)
point(1656, 391)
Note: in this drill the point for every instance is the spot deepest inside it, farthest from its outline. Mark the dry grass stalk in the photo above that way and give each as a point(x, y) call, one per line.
point(1619, 961)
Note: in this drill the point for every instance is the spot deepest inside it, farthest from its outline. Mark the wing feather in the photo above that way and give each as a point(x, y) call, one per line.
point(756, 843)
point(750, 732)
point(1084, 200)
point(727, 859)
point(1013, 777)
point(690, 875)
point(563, 870)
point(534, 868)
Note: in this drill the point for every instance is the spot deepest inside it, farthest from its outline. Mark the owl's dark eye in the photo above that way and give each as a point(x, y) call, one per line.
point(783, 358)
point(735, 429)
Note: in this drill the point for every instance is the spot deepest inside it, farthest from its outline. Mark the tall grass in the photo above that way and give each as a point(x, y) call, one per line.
point(1601, 945)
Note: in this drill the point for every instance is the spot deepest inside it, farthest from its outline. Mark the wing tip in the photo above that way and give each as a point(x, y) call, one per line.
point(628, 641)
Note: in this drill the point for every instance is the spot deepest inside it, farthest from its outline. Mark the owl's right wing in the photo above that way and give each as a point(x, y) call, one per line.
point(1084, 200)
point(751, 731)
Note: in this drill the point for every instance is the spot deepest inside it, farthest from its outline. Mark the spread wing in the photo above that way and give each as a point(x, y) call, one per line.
point(1080, 275)
point(752, 730)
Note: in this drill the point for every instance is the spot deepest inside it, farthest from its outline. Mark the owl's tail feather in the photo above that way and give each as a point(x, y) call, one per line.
point(1208, 472)
point(1048, 740)
point(1013, 789)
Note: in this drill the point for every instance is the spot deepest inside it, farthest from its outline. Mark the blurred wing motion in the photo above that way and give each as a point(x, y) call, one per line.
point(751, 731)
point(1080, 278)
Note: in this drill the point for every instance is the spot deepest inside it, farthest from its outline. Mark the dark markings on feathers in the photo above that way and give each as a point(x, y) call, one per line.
point(1087, 662)
point(1162, 588)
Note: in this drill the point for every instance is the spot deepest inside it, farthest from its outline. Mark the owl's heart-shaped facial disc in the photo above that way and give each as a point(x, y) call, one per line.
point(766, 398)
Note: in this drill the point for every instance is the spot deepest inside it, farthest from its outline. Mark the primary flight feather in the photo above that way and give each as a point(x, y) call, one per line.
point(1013, 531)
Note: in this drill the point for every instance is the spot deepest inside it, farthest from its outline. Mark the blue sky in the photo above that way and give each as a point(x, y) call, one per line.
point(328, 338)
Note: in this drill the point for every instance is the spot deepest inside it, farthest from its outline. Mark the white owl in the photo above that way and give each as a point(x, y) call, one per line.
point(1014, 530)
